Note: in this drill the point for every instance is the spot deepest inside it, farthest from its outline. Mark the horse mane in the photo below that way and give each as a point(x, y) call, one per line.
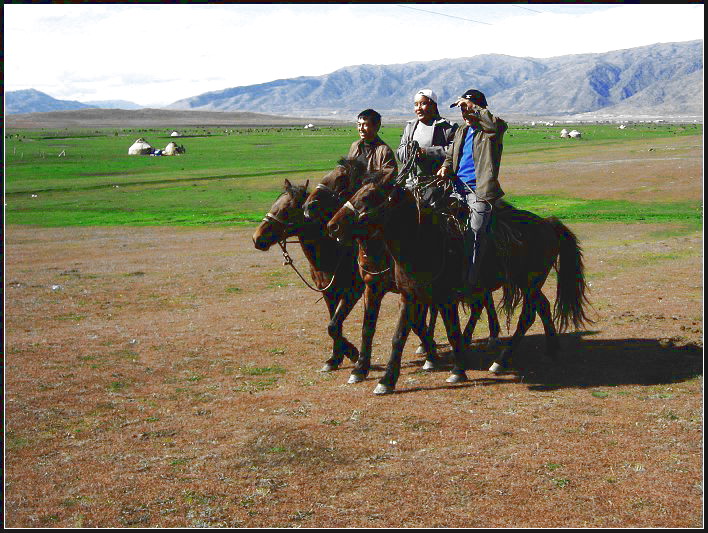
point(357, 171)
point(376, 177)
point(298, 192)
point(354, 165)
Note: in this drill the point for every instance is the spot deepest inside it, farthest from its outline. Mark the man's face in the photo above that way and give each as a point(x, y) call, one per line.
point(467, 110)
point(367, 129)
point(424, 108)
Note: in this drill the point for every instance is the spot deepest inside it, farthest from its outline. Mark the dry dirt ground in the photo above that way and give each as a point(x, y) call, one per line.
point(162, 377)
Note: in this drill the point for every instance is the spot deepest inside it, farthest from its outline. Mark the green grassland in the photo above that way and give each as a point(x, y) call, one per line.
point(231, 176)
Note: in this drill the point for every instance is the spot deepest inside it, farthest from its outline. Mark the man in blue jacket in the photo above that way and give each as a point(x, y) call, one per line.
point(472, 162)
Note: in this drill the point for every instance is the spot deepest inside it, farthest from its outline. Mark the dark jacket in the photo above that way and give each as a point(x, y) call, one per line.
point(487, 153)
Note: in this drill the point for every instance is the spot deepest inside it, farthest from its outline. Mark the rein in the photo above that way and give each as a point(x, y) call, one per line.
point(271, 217)
point(289, 261)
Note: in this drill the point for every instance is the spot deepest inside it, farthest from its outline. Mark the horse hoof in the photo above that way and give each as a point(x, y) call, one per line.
point(382, 389)
point(355, 378)
point(457, 378)
point(428, 365)
point(421, 350)
point(495, 368)
point(329, 367)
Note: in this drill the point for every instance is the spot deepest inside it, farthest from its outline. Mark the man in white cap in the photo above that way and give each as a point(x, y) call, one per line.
point(432, 132)
point(473, 162)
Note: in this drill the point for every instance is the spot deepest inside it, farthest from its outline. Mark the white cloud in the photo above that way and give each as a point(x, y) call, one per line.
point(156, 54)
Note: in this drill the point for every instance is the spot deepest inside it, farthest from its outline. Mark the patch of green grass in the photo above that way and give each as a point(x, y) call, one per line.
point(15, 442)
point(261, 371)
point(256, 386)
point(233, 179)
point(117, 386)
point(70, 316)
point(561, 482)
point(581, 210)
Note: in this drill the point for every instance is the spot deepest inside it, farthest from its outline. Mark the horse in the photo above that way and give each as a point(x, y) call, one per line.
point(429, 269)
point(376, 267)
point(333, 266)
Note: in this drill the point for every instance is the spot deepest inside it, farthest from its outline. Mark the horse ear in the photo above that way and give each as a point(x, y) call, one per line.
point(306, 184)
point(288, 185)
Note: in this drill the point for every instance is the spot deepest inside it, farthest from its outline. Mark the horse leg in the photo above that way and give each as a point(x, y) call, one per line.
point(373, 295)
point(426, 334)
point(526, 319)
point(493, 319)
point(543, 308)
point(451, 318)
point(475, 311)
point(387, 384)
point(341, 346)
point(431, 326)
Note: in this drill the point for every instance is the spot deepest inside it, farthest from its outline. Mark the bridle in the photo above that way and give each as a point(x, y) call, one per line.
point(271, 217)
point(288, 231)
point(334, 194)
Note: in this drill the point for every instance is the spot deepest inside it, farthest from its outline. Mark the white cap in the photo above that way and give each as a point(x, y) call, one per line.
point(429, 93)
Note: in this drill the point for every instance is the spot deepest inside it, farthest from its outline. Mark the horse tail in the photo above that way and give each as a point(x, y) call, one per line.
point(571, 297)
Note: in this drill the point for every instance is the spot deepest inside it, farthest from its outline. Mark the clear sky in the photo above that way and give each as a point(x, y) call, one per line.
point(156, 54)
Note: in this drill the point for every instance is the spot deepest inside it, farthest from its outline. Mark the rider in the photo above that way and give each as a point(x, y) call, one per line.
point(370, 149)
point(432, 132)
point(472, 162)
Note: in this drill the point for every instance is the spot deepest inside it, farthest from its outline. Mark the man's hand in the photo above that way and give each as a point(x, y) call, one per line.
point(444, 172)
point(470, 111)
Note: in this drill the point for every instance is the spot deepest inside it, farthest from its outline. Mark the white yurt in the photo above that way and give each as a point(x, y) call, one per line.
point(173, 149)
point(574, 134)
point(564, 133)
point(175, 134)
point(140, 147)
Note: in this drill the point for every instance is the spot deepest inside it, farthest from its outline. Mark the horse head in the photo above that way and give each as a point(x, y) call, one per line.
point(334, 189)
point(284, 219)
point(366, 209)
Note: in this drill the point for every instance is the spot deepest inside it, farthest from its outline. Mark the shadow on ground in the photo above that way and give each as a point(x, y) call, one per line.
point(583, 362)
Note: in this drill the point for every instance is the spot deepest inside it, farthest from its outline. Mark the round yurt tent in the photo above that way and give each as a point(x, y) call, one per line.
point(173, 149)
point(140, 147)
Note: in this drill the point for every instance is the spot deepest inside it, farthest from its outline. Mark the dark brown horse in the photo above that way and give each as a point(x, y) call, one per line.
point(333, 265)
point(429, 269)
point(376, 267)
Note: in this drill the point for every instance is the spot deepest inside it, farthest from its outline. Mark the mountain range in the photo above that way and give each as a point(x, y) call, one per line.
point(659, 80)
point(34, 101)
point(635, 81)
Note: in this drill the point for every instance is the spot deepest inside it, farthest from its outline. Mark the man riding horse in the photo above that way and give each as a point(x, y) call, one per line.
point(472, 162)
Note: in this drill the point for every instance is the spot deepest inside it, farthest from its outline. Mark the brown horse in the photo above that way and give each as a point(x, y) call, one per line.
point(333, 265)
point(429, 269)
point(376, 268)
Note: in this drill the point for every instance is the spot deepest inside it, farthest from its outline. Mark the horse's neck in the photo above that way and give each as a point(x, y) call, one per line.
point(413, 245)
point(321, 252)
point(373, 252)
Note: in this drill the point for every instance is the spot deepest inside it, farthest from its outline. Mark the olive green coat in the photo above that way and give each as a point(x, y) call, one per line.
point(487, 153)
